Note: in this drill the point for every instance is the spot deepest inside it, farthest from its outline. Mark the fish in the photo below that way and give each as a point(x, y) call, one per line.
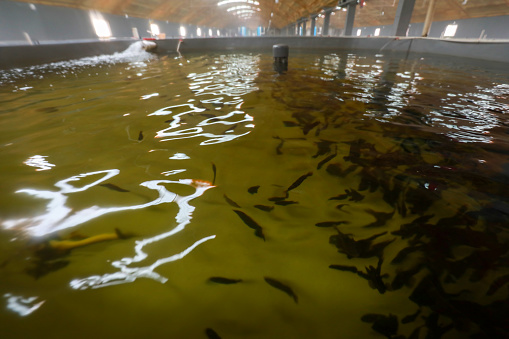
point(214, 171)
point(226, 281)
point(280, 145)
point(344, 268)
point(230, 201)
point(140, 136)
point(290, 123)
point(264, 208)
point(330, 223)
point(211, 334)
point(253, 189)
point(381, 218)
point(385, 325)
point(309, 127)
point(374, 276)
point(326, 160)
point(497, 284)
point(282, 287)
point(410, 318)
point(351, 193)
point(285, 202)
point(340, 206)
point(40, 268)
point(278, 198)
point(251, 223)
point(208, 115)
point(299, 181)
point(113, 187)
point(324, 147)
point(67, 245)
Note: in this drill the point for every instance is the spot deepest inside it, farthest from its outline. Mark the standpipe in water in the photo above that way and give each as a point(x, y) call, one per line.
point(280, 53)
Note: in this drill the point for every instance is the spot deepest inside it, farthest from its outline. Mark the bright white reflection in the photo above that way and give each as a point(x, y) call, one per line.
point(198, 31)
point(39, 162)
point(22, 306)
point(450, 30)
point(180, 156)
point(127, 273)
point(182, 31)
point(251, 2)
point(59, 216)
point(154, 29)
point(236, 8)
point(147, 96)
point(101, 26)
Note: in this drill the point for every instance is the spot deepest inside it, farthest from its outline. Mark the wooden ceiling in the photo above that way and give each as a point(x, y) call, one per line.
point(207, 12)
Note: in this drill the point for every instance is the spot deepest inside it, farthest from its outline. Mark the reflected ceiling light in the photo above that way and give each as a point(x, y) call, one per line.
point(243, 7)
point(101, 26)
point(450, 30)
point(250, 11)
point(251, 2)
point(154, 29)
point(182, 31)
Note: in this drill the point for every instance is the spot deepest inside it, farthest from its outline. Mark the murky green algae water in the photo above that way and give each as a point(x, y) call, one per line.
point(353, 196)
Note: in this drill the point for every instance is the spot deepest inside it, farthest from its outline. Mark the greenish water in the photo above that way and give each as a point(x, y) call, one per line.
point(393, 171)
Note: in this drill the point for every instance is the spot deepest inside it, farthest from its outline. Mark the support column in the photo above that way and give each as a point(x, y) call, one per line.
point(429, 18)
point(304, 28)
point(313, 24)
point(299, 24)
point(350, 17)
point(403, 16)
point(326, 21)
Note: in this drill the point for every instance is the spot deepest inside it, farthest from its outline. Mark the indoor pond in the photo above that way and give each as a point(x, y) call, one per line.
point(207, 195)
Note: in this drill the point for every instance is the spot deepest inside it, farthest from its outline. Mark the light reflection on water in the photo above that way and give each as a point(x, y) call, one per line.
point(375, 132)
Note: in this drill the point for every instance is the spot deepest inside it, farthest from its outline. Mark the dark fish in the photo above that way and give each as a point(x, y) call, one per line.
point(208, 115)
point(381, 218)
point(47, 109)
point(113, 187)
point(374, 277)
point(330, 223)
point(290, 123)
point(41, 267)
point(386, 325)
point(285, 202)
point(351, 193)
point(354, 195)
point(309, 127)
point(253, 189)
point(226, 281)
point(497, 284)
point(214, 171)
point(326, 160)
point(169, 121)
point(344, 268)
point(251, 223)
point(299, 181)
point(324, 147)
point(211, 334)
point(278, 198)
point(410, 318)
point(264, 208)
point(230, 201)
point(339, 197)
point(340, 206)
point(280, 286)
point(140, 136)
point(281, 143)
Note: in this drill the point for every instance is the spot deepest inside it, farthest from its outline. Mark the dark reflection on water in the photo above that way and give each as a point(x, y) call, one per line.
point(353, 195)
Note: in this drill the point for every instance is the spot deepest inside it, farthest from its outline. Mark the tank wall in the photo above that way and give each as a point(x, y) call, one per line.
point(496, 27)
point(24, 23)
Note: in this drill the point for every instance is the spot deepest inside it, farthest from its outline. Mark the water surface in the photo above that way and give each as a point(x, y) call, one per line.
point(354, 195)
